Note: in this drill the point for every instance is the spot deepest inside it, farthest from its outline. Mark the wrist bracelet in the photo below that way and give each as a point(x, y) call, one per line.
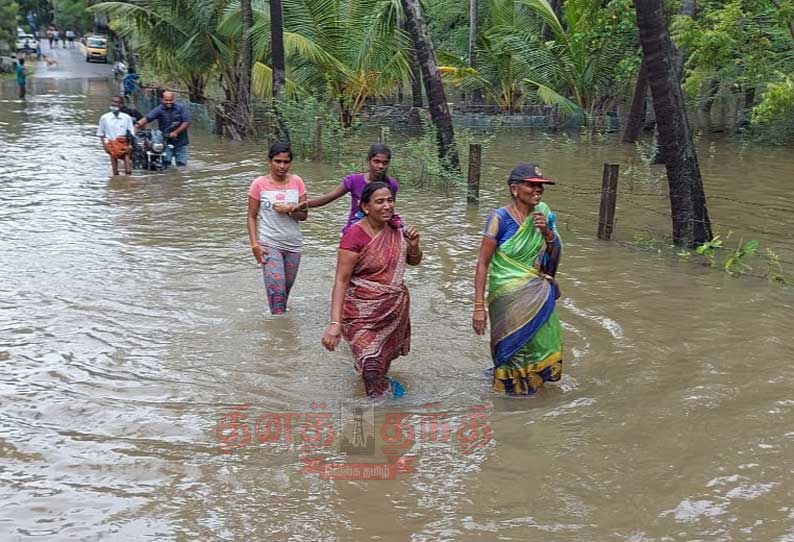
point(255, 246)
point(332, 322)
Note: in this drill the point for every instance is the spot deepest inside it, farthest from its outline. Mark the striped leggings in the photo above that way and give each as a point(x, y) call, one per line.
point(279, 271)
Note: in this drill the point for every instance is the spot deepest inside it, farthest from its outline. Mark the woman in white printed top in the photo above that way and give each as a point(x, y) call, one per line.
point(276, 203)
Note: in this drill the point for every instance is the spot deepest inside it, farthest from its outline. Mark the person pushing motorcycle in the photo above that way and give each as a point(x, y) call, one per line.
point(168, 115)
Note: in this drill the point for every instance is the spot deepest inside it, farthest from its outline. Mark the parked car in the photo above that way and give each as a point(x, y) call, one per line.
point(27, 43)
point(94, 48)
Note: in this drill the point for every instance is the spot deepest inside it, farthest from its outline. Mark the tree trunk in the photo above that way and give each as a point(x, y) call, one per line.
point(417, 99)
point(691, 225)
point(244, 118)
point(278, 65)
point(474, 29)
point(688, 8)
point(436, 97)
point(637, 112)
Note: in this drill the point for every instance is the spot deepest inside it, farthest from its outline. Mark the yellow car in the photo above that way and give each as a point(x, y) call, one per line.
point(94, 48)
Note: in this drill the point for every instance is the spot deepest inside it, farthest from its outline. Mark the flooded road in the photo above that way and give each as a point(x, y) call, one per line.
point(133, 323)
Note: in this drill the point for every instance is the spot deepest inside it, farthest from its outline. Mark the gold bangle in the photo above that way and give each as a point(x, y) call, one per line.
point(332, 322)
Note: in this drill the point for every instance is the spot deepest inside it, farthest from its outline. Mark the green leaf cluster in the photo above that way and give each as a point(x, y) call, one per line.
point(8, 22)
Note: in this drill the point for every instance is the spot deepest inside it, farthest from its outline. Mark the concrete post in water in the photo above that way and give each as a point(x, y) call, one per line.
point(609, 192)
point(475, 158)
point(317, 151)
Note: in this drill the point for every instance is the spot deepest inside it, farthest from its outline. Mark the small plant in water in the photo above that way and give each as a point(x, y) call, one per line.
point(647, 242)
point(774, 270)
point(709, 249)
point(735, 263)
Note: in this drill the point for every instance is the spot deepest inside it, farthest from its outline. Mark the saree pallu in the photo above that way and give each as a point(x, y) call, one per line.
point(375, 316)
point(118, 148)
point(526, 338)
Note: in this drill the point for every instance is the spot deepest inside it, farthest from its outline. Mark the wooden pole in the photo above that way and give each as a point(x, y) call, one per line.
point(475, 159)
point(609, 192)
point(384, 135)
point(317, 151)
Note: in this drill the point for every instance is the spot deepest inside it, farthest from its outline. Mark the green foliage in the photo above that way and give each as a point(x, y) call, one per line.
point(8, 22)
point(578, 63)
point(774, 270)
point(648, 242)
point(348, 51)
point(73, 14)
point(775, 114)
point(740, 44)
point(41, 9)
point(709, 249)
point(735, 264)
point(448, 22)
point(303, 118)
point(179, 39)
point(416, 160)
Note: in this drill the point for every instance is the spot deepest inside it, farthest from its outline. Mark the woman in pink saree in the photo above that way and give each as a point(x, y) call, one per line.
point(370, 304)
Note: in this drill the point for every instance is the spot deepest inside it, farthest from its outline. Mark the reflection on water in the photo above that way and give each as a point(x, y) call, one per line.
point(133, 318)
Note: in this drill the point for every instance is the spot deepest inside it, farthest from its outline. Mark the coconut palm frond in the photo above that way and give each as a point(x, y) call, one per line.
point(551, 97)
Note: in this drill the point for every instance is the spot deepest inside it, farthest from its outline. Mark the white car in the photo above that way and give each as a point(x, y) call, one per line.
point(27, 43)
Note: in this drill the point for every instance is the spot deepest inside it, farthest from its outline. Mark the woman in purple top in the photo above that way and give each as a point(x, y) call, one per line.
point(378, 159)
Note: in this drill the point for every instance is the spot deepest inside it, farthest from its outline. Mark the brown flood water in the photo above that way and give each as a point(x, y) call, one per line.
point(132, 318)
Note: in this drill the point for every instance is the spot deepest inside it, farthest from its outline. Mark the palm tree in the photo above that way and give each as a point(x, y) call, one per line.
point(348, 50)
point(177, 38)
point(436, 97)
point(565, 71)
point(244, 116)
point(691, 225)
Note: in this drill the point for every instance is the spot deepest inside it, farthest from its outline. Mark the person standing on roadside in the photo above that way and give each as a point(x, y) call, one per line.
point(173, 120)
point(21, 77)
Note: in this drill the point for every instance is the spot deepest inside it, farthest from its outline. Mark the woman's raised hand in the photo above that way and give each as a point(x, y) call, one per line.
point(333, 333)
point(540, 222)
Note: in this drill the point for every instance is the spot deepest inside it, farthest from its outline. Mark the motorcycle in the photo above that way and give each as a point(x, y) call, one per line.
point(148, 146)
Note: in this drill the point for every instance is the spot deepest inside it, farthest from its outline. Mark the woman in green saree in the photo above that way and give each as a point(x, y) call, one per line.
point(519, 255)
